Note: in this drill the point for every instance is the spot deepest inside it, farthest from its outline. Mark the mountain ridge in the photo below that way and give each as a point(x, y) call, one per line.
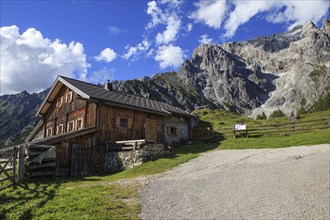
point(287, 71)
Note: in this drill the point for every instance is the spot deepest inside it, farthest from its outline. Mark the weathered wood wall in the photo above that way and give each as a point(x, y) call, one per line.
point(71, 111)
point(110, 131)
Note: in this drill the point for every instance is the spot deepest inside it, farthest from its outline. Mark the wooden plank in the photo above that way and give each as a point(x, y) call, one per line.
point(43, 173)
point(34, 146)
point(4, 187)
point(131, 141)
point(53, 164)
point(6, 161)
point(2, 180)
point(21, 164)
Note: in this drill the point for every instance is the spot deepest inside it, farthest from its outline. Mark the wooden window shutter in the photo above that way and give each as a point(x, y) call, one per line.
point(130, 123)
point(117, 122)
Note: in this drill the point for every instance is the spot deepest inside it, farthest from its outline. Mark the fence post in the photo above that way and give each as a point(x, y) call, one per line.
point(21, 163)
point(293, 126)
point(14, 164)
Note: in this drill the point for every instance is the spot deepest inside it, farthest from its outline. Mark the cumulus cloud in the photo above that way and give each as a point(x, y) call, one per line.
point(243, 12)
point(169, 56)
point(205, 39)
point(31, 62)
point(134, 51)
point(156, 14)
point(170, 34)
point(232, 14)
point(289, 12)
point(211, 13)
point(106, 55)
point(298, 12)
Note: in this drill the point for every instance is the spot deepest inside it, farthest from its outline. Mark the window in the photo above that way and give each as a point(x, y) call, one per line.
point(123, 123)
point(49, 132)
point(68, 97)
point(70, 126)
point(80, 123)
point(172, 131)
point(59, 102)
point(59, 129)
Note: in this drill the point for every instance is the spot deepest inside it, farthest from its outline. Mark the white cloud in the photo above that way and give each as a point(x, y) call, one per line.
point(205, 39)
point(134, 51)
point(169, 56)
point(156, 14)
point(172, 3)
point(211, 13)
point(189, 27)
point(101, 76)
point(243, 12)
point(106, 55)
point(31, 62)
point(299, 12)
point(289, 12)
point(116, 30)
point(170, 34)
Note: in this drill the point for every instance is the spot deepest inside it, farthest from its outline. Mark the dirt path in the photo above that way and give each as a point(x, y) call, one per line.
point(288, 183)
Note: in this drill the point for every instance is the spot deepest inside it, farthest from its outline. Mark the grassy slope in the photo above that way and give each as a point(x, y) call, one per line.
point(98, 197)
point(221, 120)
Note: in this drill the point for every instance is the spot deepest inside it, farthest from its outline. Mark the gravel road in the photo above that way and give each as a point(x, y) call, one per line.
point(287, 183)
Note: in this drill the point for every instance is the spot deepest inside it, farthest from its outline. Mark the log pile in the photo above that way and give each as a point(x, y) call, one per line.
point(41, 160)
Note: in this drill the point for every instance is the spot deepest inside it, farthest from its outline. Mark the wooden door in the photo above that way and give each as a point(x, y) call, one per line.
point(151, 130)
point(63, 161)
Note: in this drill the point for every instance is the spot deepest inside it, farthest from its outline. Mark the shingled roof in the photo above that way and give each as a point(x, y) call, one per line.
point(99, 93)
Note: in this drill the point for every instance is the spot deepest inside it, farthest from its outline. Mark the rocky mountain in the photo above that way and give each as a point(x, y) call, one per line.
point(17, 116)
point(287, 71)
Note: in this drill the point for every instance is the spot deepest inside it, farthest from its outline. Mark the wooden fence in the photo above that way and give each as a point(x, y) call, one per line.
point(294, 126)
point(11, 166)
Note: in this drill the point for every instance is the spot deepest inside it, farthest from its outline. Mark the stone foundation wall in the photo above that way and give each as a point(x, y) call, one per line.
point(122, 160)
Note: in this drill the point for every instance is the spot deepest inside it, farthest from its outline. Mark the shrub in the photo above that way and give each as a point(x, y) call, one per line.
point(262, 116)
point(276, 114)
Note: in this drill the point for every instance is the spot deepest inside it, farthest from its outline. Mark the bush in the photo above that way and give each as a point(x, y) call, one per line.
point(321, 105)
point(262, 116)
point(276, 114)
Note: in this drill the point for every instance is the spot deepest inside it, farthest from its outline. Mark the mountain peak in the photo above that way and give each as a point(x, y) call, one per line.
point(326, 25)
point(309, 25)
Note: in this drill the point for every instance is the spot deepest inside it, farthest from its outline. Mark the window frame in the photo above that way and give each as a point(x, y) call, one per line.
point(73, 126)
point(69, 97)
point(123, 119)
point(172, 131)
point(49, 132)
point(58, 128)
point(59, 102)
point(82, 123)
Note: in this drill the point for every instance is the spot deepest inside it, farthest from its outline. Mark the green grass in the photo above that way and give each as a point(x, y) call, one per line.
point(277, 141)
point(97, 197)
point(221, 120)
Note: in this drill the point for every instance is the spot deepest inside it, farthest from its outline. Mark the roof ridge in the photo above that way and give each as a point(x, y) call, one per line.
point(151, 102)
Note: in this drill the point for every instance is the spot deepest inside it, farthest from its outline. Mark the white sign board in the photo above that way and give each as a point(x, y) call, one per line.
point(239, 127)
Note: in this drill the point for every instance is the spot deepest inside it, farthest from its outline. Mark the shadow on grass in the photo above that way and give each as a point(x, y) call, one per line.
point(42, 190)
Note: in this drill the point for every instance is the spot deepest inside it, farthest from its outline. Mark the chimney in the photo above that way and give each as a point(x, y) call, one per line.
point(108, 86)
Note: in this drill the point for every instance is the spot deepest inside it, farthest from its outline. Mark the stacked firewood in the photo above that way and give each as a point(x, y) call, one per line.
point(41, 160)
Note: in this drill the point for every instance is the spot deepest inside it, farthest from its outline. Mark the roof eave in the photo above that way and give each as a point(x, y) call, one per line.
point(67, 84)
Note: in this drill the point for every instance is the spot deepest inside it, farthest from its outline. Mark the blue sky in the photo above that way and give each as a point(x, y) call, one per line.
point(97, 40)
